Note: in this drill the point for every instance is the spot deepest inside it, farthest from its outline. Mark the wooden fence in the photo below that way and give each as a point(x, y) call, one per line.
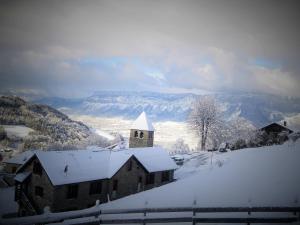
point(246, 215)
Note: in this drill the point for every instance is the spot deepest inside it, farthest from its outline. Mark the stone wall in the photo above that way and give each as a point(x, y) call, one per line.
point(83, 199)
point(137, 142)
point(128, 179)
point(41, 181)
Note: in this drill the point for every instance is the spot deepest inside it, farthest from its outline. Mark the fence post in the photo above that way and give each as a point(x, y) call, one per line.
point(194, 211)
point(145, 213)
point(98, 216)
point(194, 205)
point(249, 207)
point(249, 214)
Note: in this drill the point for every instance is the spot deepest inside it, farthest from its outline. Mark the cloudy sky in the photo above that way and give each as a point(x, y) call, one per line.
point(73, 48)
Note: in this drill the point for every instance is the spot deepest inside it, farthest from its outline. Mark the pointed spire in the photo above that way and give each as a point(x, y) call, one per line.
point(142, 123)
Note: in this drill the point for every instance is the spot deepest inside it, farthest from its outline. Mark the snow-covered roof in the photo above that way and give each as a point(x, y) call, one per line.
point(153, 159)
point(22, 176)
point(20, 158)
point(65, 167)
point(281, 124)
point(142, 123)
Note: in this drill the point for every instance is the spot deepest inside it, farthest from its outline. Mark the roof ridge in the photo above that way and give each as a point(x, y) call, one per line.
point(142, 123)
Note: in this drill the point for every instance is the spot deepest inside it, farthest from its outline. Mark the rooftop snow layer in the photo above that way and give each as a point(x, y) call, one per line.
point(20, 158)
point(65, 167)
point(22, 176)
point(142, 123)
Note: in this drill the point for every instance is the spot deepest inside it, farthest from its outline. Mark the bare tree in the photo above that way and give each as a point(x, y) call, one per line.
point(180, 146)
point(205, 115)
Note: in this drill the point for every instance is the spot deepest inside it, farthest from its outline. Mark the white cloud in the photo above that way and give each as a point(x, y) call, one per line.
point(179, 45)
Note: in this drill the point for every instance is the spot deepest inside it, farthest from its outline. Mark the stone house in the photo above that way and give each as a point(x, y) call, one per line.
point(71, 180)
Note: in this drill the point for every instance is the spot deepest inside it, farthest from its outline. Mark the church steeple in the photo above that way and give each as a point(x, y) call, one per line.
point(141, 132)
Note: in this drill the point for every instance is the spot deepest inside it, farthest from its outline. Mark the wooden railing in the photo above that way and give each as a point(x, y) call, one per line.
point(246, 215)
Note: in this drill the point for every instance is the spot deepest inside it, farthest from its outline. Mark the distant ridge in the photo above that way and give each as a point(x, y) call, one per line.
point(53, 129)
point(259, 109)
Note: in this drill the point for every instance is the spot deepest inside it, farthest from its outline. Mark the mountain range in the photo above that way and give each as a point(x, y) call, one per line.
point(259, 109)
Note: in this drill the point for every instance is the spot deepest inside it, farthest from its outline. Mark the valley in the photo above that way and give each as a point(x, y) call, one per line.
point(166, 132)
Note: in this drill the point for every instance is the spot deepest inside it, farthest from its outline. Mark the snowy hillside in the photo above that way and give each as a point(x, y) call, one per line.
point(257, 108)
point(42, 127)
point(258, 177)
point(264, 176)
point(17, 131)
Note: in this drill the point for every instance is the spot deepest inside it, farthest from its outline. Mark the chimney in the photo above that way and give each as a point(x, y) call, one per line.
point(284, 123)
point(66, 169)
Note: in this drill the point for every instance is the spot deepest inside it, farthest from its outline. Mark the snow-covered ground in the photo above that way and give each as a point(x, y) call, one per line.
point(17, 130)
point(104, 134)
point(166, 132)
point(266, 176)
point(197, 161)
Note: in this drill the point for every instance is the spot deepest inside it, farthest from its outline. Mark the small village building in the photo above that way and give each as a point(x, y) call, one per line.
point(275, 133)
point(75, 179)
point(276, 128)
point(71, 180)
point(141, 132)
point(12, 164)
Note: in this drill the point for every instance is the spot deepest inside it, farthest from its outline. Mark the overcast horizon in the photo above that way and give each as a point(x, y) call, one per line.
point(76, 48)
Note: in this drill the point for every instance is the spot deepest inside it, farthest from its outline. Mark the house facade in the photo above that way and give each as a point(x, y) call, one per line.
point(78, 178)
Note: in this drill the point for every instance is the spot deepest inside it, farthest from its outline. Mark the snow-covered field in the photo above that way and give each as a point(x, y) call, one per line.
point(17, 130)
point(266, 176)
point(104, 134)
point(166, 132)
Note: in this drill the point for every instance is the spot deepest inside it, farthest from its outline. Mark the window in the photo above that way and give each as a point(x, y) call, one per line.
point(165, 176)
point(136, 134)
point(37, 168)
point(129, 165)
point(115, 185)
point(14, 169)
point(140, 180)
point(39, 191)
point(150, 178)
point(95, 187)
point(141, 134)
point(72, 191)
point(139, 185)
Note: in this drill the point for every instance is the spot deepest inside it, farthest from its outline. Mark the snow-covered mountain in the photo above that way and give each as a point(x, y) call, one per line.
point(42, 127)
point(257, 108)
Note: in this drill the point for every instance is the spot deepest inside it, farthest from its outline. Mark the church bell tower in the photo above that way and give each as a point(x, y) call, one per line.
point(141, 132)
